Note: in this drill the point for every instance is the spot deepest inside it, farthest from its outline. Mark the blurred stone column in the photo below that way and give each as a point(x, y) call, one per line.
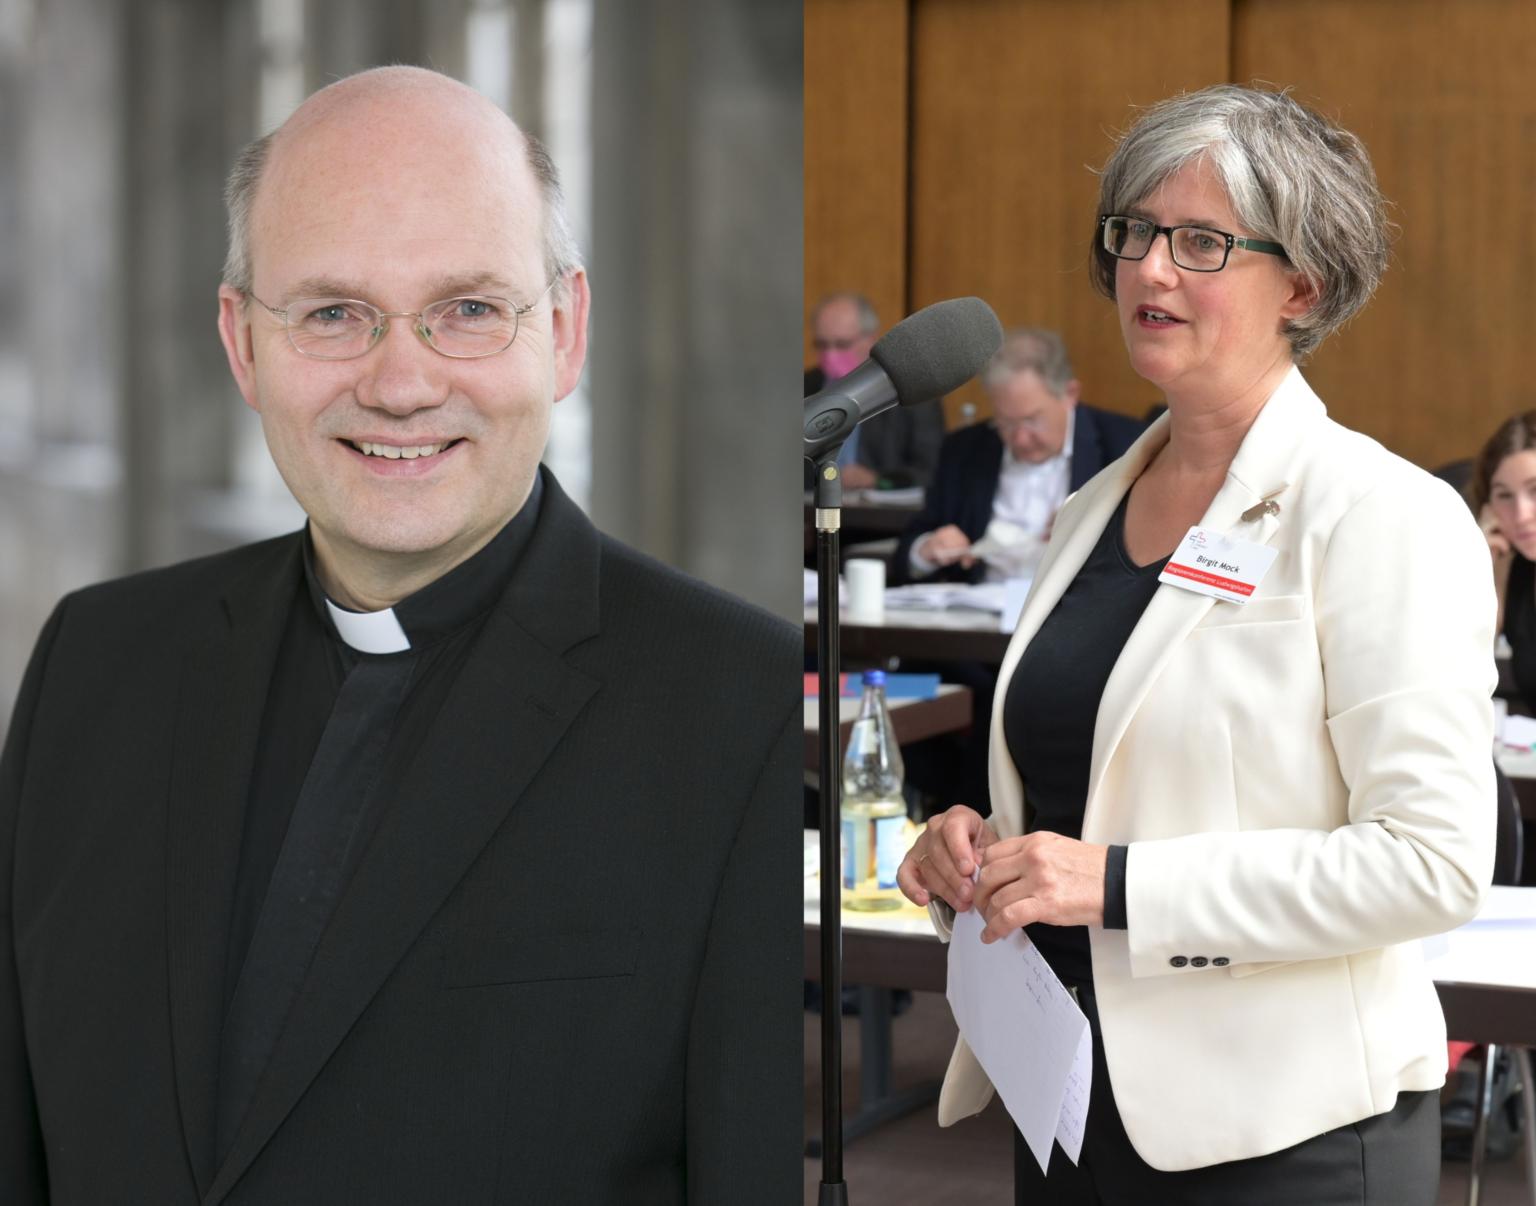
point(695, 360)
point(189, 86)
point(60, 463)
point(344, 36)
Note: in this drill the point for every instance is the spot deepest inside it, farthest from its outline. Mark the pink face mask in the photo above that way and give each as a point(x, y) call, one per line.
point(839, 362)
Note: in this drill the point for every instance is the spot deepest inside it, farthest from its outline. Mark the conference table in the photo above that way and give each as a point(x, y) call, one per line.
point(953, 635)
point(868, 515)
point(1484, 973)
point(913, 719)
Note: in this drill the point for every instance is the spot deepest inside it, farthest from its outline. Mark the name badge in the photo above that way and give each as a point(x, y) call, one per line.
point(1224, 567)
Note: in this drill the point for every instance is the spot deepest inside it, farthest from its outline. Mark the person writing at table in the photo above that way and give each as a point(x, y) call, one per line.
point(1503, 491)
point(1243, 817)
point(1041, 444)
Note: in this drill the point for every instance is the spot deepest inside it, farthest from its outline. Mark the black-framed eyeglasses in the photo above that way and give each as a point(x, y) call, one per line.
point(342, 328)
point(1195, 248)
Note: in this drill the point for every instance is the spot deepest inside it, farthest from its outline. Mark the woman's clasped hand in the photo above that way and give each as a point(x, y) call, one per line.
point(1039, 877)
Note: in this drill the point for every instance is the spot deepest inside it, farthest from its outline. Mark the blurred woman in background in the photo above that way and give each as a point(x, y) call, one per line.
point(1503, 490)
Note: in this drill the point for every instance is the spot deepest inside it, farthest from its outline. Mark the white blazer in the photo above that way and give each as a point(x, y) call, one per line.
point(1305, 784)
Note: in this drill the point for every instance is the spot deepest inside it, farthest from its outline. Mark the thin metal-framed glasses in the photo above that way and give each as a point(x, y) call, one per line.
point(343, 328)
point(1195, 248)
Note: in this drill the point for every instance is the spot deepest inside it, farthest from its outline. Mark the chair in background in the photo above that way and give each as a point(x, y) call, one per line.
point(1506, 871)
point(1457, 475)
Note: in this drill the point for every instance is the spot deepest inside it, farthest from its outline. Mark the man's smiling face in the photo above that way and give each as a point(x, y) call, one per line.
point(402, 197)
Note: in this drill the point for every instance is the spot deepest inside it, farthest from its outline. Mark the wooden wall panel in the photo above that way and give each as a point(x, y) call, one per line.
point(1013, 104)
point(1442, 96)
point(856, 152)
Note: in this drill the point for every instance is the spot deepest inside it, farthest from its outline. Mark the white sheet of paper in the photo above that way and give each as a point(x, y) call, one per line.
point(1026, 1030)
point(1074, 1103)
point(1009, 549)
point(1519, 731)
point(1015, 591)
point(1507, 906)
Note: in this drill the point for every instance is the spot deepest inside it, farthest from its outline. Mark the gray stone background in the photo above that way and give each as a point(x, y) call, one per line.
point(123, 442)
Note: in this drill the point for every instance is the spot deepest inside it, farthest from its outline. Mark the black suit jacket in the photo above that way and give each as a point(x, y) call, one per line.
point(566, 970)
point(901, 445)
point(965, 482)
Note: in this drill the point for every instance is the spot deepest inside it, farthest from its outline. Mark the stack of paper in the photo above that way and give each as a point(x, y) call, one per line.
point(1027, 1032)
point(942, 596)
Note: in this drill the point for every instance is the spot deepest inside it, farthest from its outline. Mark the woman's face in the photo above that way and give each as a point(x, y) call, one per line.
point(1512, 498)
point(1213, 334)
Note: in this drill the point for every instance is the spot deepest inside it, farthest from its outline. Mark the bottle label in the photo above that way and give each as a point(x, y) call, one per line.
point(855, 850)
point(888, 849)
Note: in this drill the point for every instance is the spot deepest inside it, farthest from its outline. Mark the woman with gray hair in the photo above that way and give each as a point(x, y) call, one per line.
point(1247, 704)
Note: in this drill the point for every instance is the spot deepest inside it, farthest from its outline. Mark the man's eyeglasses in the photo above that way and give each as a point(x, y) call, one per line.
point(341, 328)
point(1195, 248)
point(835, 345)
point(1008, 427)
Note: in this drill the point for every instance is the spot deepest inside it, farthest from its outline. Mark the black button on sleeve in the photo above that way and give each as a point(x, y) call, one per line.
point(1199, 961)
point(1220, 961)
point(1177, 961)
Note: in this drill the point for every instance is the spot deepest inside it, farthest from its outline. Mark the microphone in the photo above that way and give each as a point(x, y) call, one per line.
point(923, 357)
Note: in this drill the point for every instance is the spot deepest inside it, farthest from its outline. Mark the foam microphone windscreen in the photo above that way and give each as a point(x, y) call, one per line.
point(938, 349)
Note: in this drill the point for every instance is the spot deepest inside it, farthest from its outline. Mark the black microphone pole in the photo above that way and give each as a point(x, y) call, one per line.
point(924, 356)
point(829, 509)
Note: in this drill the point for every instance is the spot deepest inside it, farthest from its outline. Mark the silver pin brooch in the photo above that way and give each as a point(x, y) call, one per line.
point(1268, 507)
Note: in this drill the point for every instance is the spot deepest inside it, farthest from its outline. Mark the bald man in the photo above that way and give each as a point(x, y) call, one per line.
point(416, 856)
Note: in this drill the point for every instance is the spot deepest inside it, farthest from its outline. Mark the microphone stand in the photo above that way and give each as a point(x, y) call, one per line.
point(829, 511)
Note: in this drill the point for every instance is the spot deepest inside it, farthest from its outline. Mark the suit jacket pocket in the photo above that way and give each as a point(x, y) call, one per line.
point(478, 958)
point(1273, 609)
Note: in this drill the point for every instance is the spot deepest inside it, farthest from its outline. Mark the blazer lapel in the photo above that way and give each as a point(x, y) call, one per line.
point(510, 707)
point(223, 694)
point(1263, 468)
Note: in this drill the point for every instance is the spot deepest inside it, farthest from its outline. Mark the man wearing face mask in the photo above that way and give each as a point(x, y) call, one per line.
point(900, 447)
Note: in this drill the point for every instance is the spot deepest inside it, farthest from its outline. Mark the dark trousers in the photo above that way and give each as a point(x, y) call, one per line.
point(1392, 1159)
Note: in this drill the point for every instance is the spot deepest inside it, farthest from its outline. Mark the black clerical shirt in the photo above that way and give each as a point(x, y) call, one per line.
point(441, 622)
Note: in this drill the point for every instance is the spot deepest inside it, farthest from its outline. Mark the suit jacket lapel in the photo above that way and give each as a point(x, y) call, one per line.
point(223, 694)
point(1263, 467)
point(510, 707)
point(1087, 449)
point(980, 488)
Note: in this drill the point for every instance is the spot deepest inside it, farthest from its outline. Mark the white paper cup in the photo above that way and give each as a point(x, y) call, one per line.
point(866, 589)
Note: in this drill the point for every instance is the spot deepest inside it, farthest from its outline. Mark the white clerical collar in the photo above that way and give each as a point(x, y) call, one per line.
point(369, 631)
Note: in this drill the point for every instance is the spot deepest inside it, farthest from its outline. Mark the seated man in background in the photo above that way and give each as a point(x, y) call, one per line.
point(1041, 445)
point(898, 448)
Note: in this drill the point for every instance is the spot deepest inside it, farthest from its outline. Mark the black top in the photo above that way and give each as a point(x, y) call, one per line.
point(441, 621)
point(1520, 625)
point(1051, 709)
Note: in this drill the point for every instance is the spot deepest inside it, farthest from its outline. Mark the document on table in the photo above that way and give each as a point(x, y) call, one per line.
point(1518, 732)
point(1027, 1032)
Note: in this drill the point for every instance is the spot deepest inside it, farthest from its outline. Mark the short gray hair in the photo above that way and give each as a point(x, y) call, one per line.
point(1030, 350)
point(869, 320)
point(1292, 176)
point(561, 254)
